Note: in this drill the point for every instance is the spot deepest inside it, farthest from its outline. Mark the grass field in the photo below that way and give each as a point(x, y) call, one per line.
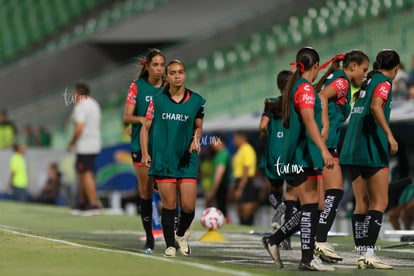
point(44, 240)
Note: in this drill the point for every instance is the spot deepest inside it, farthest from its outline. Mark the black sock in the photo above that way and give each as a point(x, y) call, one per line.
point(358, 230)
point(289, 228)
point(275, 199)
point(327, 217)
point(373, 221)
point(167, 222)
point(146, 218)
point(184, 222)
point(290, 209)
point(308, 224)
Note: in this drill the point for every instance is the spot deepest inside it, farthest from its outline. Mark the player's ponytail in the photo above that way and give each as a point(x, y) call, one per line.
point(335, 65)
point(144, 62)
point(385, 60)
point(305, 59)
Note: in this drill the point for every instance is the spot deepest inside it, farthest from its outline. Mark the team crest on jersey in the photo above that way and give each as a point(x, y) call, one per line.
point(307, 87)
point(362, 94)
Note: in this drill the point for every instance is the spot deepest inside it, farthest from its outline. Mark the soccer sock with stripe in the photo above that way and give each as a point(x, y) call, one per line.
point(327, 217)
point(167, 222)
point(289, 228)
point(290, 209)
point(373, 221)
point(184, 222)
point(146, 218)
point(358, 231)
point(308, 224)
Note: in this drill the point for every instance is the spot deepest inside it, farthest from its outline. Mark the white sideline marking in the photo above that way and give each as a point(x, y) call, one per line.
point(201, 266)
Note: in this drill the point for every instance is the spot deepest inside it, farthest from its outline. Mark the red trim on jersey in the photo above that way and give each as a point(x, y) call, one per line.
point(176, 180)
point(150, 111)
point(188, 180)
point(304, 97)
point(187, 97)
point(382, 90)
point(166, 180)
point(314, 177)
point(137, 164)
point(132, 94)
point(341, 86)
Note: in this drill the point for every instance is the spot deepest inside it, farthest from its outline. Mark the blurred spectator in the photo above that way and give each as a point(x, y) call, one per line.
point(43, 137)
point(244, 169)
point(410, 92)
point(411, 73)
point(31, 139)
point(399, 84)
point(18, 174)
point(86, 140)
point(8, 131)
point(220, 176)
point(50, 191)
point(126, 132)
point(401, 203)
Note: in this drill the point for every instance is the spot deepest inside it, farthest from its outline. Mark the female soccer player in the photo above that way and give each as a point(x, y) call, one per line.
point(367, 146)
point(304, 155)
point(141, 91)
point(335, 95)
point(271, 129)
point(173, 127)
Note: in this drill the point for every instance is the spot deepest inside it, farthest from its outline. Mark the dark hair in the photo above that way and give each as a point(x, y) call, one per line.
point(356, 56)
point(167, 86)
point(385, 60)
point(276, 108)
point(147, 60)
point(305, 59)
point(82, 88)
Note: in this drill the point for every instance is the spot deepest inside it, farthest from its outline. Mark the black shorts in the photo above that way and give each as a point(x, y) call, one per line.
point(250, 192)
point(334, 152)
point(136, 158)
point(85, 162)
point(307, 173)
point(364, 172)
point(275, 183)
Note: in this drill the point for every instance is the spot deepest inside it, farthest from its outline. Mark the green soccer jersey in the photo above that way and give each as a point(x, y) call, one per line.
point(222, 158)
point(365, 142)
point(171, 135)
point(141, 96)
point(274, 144)
point(299, 151)
point(338, 108)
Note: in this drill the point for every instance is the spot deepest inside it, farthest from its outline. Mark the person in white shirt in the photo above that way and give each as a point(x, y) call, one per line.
point(86, 141)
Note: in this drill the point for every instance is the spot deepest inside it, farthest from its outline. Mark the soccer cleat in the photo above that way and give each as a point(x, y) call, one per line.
point(183, 245)
point(279, 216)
point(365, 262)
point(149, 246)
point(315, 265)
point(170, 252)
point(273, 251)
point(326, 252)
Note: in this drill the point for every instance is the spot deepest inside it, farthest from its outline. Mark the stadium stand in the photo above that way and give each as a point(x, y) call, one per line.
point(235, 77)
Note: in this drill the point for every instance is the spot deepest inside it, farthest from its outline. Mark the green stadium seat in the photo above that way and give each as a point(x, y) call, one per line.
point(270, 44)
